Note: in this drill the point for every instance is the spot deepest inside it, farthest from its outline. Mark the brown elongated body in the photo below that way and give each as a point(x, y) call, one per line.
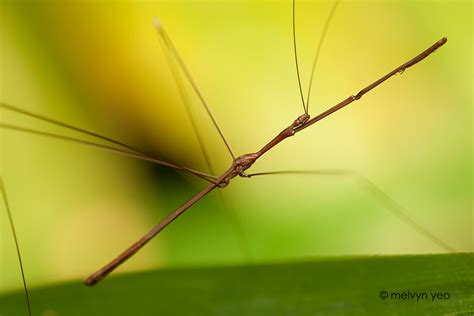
point(242, 163)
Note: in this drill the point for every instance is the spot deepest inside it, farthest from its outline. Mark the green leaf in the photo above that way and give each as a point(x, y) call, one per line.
point(334, 286)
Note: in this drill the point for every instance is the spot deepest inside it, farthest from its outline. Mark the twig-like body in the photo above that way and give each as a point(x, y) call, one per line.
point(242, 163)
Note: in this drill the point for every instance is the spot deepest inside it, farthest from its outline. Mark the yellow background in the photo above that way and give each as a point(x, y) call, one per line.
point(99, 65)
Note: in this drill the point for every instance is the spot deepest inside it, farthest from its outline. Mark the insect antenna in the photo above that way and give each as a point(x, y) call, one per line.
point(318, 50)
point(296, 58)
point(373, 85)
point(17, 245)
point(374, 190)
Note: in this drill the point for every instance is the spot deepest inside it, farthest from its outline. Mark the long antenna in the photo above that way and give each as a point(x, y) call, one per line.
point(296, 58)
point(373, 85)
point(17, 245)
point(320, 44)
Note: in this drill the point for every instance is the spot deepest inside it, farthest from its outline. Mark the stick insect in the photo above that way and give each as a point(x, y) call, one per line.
point(240, 163)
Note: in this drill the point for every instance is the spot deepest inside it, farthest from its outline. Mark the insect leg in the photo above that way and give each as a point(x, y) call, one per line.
point(233, 216)
point(172, 49)
point(375, 191)
point(17, 245)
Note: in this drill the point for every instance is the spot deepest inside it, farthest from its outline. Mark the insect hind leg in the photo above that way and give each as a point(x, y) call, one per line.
point(15, 238)
point(388, 203)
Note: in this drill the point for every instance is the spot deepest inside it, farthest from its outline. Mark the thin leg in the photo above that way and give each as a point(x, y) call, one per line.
point(17, 244)
point(186, 72)
point(122, 152)
point(237, 226)
point(69, 126)
point(389, 203)
point(232, 214)
point(138, 152)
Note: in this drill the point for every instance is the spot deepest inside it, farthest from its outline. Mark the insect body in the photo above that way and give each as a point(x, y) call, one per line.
point(244, 162)
point(240, 164)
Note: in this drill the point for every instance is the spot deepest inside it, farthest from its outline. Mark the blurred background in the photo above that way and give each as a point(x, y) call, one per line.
point(100, 65)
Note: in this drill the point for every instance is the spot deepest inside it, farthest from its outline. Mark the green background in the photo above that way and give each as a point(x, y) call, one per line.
point(100, 66)
point(316, 287)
